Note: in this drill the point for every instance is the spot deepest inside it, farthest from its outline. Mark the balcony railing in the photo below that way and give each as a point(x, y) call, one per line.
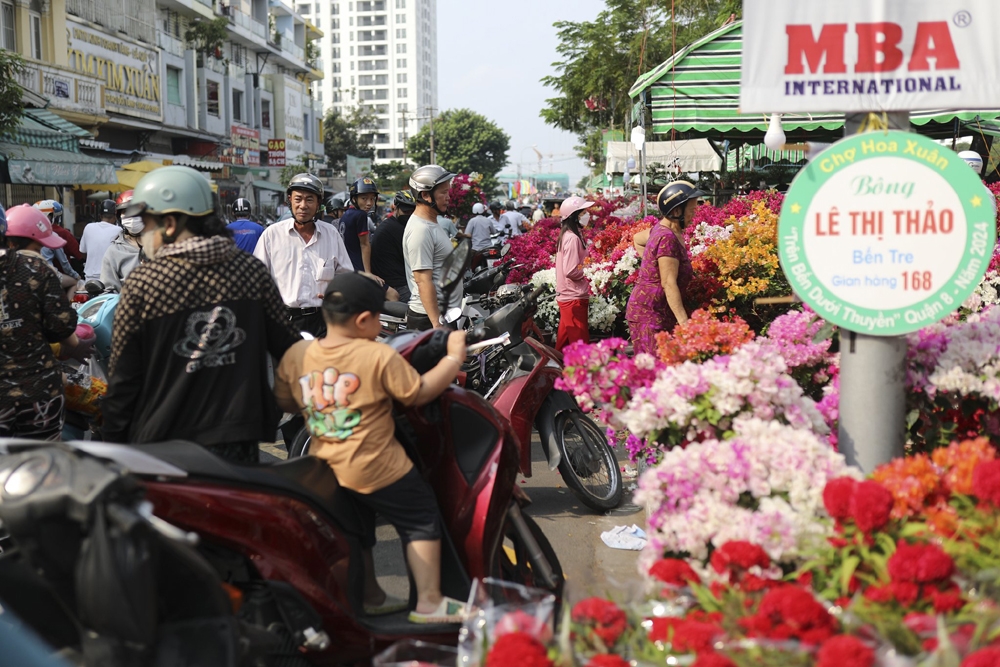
point(131, 17)
point(171, 45)
point(64, 88)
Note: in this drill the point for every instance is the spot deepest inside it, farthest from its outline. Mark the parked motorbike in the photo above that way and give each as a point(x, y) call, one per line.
point(105, 582)
point(290, 525)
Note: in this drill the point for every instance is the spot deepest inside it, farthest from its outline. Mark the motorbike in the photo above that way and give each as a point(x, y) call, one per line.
point(289, 527)
point(522, 374)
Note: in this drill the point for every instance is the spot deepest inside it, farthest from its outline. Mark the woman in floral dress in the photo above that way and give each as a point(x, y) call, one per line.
point(657, 300)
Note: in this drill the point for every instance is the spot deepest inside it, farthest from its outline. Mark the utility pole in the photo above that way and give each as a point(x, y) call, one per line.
point(430, 112)
point(404, 138)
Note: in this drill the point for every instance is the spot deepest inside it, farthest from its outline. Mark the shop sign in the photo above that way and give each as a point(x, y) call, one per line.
point(864, 55)
point(886, 232)
point(275, 152)
point(130, 72)
point(244, 147)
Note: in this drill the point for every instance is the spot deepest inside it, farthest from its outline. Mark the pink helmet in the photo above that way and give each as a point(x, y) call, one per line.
point(27, 222)
point(572, 205)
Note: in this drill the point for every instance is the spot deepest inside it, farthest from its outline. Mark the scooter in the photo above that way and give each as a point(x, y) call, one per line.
point(291, 524)
point(525, 393)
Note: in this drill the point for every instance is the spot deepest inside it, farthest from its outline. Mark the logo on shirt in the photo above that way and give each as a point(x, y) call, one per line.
point(326, 390)
point(209, 338)
point(6, 324)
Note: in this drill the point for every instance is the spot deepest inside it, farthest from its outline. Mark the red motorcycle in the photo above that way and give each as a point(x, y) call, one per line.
point(286, 537)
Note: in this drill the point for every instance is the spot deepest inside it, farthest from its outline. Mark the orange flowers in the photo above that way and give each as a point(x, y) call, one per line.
point(702, 337)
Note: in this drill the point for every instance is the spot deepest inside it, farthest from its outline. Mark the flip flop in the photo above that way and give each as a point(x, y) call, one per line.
point(391, 605)
point(449, 611)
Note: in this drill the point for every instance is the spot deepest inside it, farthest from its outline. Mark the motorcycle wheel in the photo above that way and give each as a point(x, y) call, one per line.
point(588, 465)
point(300, 443)
point(512, 563)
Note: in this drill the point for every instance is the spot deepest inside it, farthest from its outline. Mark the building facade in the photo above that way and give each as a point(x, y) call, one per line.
point(383, 54)
point(135, 74)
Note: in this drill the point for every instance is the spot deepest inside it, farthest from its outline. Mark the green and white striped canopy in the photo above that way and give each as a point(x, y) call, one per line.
point(697, 92)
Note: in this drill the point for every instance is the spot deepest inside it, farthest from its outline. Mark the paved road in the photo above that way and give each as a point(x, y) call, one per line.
point(574, 530)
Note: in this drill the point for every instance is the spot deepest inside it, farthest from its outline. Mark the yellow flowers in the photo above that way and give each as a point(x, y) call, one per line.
point(748, 259)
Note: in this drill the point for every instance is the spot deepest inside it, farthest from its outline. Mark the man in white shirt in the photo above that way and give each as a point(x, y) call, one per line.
point(479, 228)
point(425, 247)
point(538, 215)
point(303, 254)
point(97, 238)
point(511, 221)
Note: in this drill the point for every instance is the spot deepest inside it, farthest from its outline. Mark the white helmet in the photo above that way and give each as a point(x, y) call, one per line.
point(974, 159)
point(478, 209)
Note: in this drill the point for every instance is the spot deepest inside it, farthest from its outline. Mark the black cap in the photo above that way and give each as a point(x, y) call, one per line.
point(108, 207)
point(352, 293)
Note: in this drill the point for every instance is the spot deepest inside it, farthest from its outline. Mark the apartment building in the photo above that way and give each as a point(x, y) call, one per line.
point(381, 53)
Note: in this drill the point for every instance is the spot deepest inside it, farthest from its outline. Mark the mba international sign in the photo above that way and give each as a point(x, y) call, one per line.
point(886, 232)
point(131, 71)
point(869, 55)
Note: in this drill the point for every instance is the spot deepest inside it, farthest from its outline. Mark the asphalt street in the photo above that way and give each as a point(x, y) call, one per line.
point(591, 568)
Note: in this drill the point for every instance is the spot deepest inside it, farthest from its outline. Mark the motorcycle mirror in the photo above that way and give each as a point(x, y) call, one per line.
point(306, 335)
point(452, 315)
point(455, 266)
point(505, 249)
point(93, 287)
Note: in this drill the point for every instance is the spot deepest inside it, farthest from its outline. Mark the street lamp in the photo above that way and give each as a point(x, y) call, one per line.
point(639, 141)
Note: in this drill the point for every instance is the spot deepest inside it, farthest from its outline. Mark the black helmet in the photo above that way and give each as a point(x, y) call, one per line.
point(242, 207)
point(496, 206)
point(307, 183)
point(108, 207)
point(676, 194)
point(404, 201)
point(336, 204)
point(511, 204)
point(363, 186)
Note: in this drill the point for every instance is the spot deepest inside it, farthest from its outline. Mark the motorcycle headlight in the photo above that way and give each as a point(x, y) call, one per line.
point(28, 476)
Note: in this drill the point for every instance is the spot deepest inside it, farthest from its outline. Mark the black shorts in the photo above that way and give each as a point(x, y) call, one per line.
point(408, 504)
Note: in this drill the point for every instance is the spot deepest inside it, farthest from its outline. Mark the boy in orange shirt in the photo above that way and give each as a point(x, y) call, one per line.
point(345, 384)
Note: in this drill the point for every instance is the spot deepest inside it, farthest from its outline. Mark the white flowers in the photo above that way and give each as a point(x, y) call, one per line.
point(704, 234)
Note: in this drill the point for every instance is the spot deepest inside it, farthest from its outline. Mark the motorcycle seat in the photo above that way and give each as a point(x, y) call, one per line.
point(307, 477)
point(395, 309)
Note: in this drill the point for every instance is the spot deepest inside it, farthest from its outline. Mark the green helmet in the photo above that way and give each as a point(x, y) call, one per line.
point(173, 189)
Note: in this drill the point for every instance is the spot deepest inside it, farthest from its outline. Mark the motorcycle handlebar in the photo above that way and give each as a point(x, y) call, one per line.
point(537, 292)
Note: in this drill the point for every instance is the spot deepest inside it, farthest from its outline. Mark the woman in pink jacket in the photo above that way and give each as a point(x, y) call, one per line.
point(572, 288)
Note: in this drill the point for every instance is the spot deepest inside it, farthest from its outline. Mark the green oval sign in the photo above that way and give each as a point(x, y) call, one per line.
point(886, 232)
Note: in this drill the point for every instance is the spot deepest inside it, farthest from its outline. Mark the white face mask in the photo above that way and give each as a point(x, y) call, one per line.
point(584, 219)
point(133, 226)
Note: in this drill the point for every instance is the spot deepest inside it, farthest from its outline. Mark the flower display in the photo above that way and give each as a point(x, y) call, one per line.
point(701, 338)
point(601, 620)
point(518, 648)
point(845, 651)
point(674, 572)
point(466, 191)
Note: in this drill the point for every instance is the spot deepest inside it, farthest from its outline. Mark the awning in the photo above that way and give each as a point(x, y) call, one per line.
point(57, 123)
point(696, 92)
point(693, 155)
point(49, 166)
point(267, 185)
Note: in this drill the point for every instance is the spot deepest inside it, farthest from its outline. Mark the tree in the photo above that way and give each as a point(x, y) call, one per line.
point(11, 109)
point(346, 134)
point(464, 142)
point(603, 58)
point(391, 176)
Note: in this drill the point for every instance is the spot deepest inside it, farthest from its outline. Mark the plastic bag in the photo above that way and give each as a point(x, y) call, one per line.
point(84, 392)
point(411, 652)
point(496, 608)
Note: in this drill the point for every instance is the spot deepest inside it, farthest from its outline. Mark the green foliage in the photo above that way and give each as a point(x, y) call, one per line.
point(207, 37)
point(465, 142)
point(11, 109)
point(348, 133)
point(391, 176)
point(601, 59)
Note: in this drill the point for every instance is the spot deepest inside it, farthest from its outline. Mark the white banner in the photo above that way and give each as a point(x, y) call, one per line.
point(869, 55)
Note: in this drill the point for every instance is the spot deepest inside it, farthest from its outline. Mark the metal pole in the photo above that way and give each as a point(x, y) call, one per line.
point(642, 179)
point(872, 405)
point(430, 110)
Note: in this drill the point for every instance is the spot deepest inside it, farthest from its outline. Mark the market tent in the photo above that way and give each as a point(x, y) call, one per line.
point(692, 155)
point(697, 92)
point(38, 154)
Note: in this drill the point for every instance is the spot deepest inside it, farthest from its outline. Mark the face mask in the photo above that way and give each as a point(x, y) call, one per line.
point(133, 226)
point(584, 219)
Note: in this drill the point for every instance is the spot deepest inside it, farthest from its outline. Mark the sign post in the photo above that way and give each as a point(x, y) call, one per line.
point(883, 234)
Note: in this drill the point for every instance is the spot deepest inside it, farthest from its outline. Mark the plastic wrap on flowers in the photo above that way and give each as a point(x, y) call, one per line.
point(497, 608)
point(757, 652)
point(414, 653)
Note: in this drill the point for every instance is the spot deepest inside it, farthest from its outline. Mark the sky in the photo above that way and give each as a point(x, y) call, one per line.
point(491, 57)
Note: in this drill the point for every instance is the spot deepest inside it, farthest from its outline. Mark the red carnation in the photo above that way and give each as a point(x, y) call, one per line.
point(984, 657)
point(712, 660)
point(737, 556)
point(674, 571)
point(905, 592)
point(845, 651)
point(603, 617)
point(946, 601)
point(790, 612)
point(920, 563)
point(986, 481)
point(837, 497)
point(694, 636)
point(607, 660)
point(519, 649)
point(871, 506)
